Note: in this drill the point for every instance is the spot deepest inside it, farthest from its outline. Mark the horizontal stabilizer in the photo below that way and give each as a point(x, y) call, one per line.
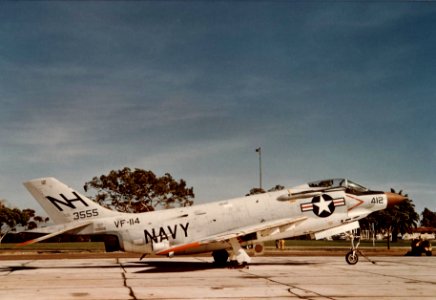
point(75, 226)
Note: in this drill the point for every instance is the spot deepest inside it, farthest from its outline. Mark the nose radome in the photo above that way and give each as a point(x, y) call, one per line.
point(394, 199)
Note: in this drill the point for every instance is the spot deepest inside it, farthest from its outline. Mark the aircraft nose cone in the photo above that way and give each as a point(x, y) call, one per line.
point(394, 199)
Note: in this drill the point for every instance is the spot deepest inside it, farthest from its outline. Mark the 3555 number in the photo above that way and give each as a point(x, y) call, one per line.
point(89, 213)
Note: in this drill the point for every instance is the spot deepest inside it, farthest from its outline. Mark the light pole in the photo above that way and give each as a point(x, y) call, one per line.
point(259, 150)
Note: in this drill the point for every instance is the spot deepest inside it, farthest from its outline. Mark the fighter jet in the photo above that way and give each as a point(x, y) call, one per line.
point(226, 228)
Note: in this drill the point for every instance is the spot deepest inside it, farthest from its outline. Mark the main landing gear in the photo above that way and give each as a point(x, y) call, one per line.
point(352, 256)
point(220, 257)
point(239, 258)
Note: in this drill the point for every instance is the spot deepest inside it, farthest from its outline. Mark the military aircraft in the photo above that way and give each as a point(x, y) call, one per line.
point(319, 209)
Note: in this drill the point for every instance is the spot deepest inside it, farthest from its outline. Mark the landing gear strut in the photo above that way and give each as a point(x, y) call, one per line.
point(240, 258)
point(352, 256)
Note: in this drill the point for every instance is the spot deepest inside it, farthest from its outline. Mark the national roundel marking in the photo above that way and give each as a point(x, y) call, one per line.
point(323, 206)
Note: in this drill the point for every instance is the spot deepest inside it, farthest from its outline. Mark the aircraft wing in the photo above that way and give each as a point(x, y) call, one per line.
point(63, 229)
point(263, 229)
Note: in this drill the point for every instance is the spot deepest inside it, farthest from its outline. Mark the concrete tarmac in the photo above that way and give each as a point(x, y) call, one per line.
point(197, 278)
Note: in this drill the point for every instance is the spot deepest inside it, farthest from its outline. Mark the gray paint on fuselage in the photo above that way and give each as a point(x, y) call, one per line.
point(222, 216)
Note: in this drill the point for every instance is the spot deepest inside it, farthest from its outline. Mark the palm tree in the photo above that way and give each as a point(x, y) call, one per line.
point(404, 218)
point(393, 220)
point(428, 218)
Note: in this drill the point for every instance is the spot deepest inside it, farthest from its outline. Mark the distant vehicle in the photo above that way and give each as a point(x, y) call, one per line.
point(320, 209)
point(420, 247)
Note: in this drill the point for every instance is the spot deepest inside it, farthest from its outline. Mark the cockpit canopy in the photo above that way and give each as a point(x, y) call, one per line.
point(339, 183)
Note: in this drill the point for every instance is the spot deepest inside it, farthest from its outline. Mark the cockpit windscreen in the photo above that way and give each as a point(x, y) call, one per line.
point(337, 183)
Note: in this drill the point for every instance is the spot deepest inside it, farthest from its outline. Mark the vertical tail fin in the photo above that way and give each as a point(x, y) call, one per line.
point(62, 203)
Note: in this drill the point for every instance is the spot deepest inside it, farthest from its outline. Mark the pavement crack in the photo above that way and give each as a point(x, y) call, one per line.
point(293, 290)
point(123, 274)
point(131, 293)
point(306, 294)
point(11, 269)
point(407, 279)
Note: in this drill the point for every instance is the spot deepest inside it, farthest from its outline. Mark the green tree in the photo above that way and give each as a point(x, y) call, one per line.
point(139, 191)
point(277, 187)
point(400, 218)
point(256, 190)
point(10, 218)
point(34, 220)
point(428, 218)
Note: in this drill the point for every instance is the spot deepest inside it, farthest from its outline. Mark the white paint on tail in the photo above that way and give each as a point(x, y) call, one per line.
point(63, 204)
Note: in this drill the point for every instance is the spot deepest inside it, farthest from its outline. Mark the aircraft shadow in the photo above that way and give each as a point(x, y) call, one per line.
point(286, 263)
point(17, 268)
point(149, 267)
point(26, 268)
point(174, 266)
point(159, 266)
point(180, 266)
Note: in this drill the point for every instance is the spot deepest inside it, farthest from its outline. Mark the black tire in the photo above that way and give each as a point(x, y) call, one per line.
point(352, 258)
point(220, 257)
point(428, 253)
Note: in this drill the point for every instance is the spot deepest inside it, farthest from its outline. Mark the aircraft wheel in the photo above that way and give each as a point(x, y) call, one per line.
point(220, 257)
point(351, 258)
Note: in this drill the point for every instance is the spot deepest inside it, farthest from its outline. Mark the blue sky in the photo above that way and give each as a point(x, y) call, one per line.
point(337, 89)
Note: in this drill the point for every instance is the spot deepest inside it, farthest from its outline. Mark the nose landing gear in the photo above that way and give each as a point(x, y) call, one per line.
point(352, 257)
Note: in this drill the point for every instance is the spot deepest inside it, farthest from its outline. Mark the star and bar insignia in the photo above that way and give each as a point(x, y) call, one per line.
point(323, 206)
